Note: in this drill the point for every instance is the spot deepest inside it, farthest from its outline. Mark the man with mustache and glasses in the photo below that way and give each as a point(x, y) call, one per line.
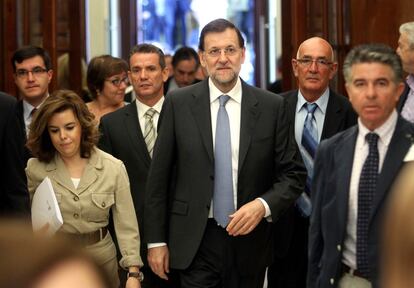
point(354, 171)
point(129, 133)
point(329, 114)
point(228, 152)
point(33, 72)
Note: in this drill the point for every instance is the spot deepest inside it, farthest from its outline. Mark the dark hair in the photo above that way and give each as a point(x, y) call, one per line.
point(373, 53)
point(185, 53)
point(149, 48)
point(100, 68)
point(217, 26)
point(39, 141)
point(28, 52)
point(26, 257)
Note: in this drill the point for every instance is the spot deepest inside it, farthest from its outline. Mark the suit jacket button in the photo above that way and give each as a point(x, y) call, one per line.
point(103, 204)
point(76, 215)
point(76, 198)
point(332, 281)
point(211, 177)
point(338, 247)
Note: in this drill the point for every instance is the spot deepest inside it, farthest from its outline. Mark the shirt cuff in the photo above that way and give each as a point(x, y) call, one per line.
point(154, 245)
point(268, 214)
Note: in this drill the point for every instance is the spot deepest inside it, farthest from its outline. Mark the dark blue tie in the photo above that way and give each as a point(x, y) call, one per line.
point(309, 143)
point(223, 199)
point(366, 192)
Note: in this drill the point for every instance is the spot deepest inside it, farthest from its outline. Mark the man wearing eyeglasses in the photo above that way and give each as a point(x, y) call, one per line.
point(228, 152)
point(314, 67)
point(33, 72)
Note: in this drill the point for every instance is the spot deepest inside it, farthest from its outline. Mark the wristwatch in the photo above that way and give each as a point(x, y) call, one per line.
point(139, 275)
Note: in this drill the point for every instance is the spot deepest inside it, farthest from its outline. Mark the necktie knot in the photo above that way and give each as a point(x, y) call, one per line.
point(311, 107)
point(223, 99)
point(372, 139)
point(150, 113)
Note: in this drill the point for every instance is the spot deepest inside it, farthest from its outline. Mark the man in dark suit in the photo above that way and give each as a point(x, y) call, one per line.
point(230, 151)
point(185, 63)
point(354, 171)
point(406, 51)
point(14, 197)
point(124, 132)
point(313, 67)
point(32, 69)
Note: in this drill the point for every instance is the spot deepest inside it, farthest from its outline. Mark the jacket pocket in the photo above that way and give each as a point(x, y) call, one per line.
point(103, 200)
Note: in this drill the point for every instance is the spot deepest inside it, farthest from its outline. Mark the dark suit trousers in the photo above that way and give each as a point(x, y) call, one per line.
point(214, 265)
point(289, 270)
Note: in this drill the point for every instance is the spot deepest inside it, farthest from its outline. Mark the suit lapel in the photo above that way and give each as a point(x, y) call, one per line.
point(60, 174)
point(200, 107)
point(398, 148)
point(135, 133)
point(333, 117)
point(249, 116)
point(343, 162)
point(291, 99)
point(89, 174)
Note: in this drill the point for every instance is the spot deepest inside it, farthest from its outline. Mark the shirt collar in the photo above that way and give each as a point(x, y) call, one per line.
point(384, 132)
point(27, 108)
point(322, 101)
point(235, 93)
point(142, 108)
point(410, 81)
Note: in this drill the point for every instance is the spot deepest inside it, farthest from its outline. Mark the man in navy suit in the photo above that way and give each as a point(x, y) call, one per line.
point(14, 198)
point(354, 171)
point(262, 160)
point(314, 67)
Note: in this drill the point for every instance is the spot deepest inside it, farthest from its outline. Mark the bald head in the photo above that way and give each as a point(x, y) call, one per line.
point(318, 43)
point(314, 67)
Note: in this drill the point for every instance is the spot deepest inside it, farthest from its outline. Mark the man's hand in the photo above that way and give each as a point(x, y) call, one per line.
point(244, 220)
point(158, 259)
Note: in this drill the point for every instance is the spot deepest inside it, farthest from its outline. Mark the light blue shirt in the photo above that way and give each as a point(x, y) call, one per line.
point(319, 114)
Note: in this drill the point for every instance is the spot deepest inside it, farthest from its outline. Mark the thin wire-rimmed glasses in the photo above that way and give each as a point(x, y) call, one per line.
point(320, 62)
point(117, 81)
point(228, 51)
point(36, 72)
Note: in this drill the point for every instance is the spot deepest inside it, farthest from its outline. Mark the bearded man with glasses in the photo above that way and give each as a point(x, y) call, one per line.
point(314, 106)
point(33, 72)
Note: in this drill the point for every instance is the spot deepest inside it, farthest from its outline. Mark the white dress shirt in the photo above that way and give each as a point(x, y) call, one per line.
point(233, 108)
point(142, 109)
point(385, 133)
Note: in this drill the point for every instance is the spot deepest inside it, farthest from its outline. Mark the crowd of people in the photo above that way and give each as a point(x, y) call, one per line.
point(209, 181)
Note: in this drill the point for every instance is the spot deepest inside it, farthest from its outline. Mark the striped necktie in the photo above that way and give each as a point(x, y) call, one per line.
point(149, 132)
point(309, 143)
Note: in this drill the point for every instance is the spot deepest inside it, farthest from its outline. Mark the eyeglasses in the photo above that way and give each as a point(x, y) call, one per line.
point(228, 51)
point(307, 62)
point(36, 72)
point(117, 81)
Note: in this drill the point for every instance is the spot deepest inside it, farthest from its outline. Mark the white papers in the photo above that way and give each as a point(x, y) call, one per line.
point(45, 208)
point(410, 154)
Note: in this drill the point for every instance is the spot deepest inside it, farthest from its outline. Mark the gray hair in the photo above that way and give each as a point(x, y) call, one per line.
point(408, 29)
point(373, 53)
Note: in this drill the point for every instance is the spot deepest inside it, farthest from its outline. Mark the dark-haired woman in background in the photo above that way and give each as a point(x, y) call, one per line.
point(107, 79)
point(88, 183)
